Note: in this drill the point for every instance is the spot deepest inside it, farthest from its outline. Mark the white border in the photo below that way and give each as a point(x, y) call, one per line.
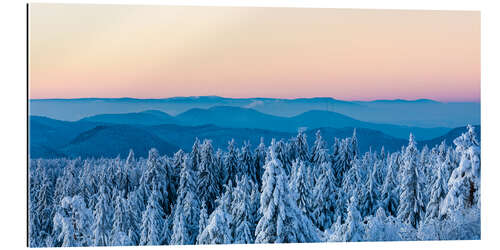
point(13, 111)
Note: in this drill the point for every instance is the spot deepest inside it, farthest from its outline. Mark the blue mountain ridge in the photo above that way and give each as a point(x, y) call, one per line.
point(236, 117)
point(423, 113)
point(50, 138)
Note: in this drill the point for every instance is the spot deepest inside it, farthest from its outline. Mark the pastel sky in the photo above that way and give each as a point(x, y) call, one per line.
point(163, 51)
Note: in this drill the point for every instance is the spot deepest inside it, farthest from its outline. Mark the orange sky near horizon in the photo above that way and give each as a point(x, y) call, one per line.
point(137, 51)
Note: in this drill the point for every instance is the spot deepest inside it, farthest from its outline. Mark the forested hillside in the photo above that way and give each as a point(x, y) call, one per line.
point(287, 191)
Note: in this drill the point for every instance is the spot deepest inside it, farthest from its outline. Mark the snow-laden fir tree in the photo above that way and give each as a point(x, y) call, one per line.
point(438, 193)
point(464, 183)
point(135, 207)
point(103, 216)
point(247, 163)
point(230, 164)
point(354, 229)
point(202, 224)
point(369, 195)
point(121, 220)
point(324, 198)
point(300, 187)
point(344, 156)
point(152, 221)
point(241, 211)
point(134, 174)
point(208, 178)
point(259, 160)
point(195, 155)
point(155, 177)
point(44, 210)
point(281, 220)
point(411, 209)
point(176, 164)
point(72, 223)
point(317, 152)
point(301, 147)
point(381, 227)
point(218, 230)
point(389, 197)
point(187, 208)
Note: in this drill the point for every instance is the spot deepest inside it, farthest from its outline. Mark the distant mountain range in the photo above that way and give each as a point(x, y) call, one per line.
point(236, 117)
point(104, 136)
point(422, 113)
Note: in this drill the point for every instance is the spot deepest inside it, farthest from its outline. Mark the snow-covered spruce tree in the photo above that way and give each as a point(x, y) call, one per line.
point(281, 221)
point(203, 220)
point(438, 193)
point(155, 177)
point(343, 159)
point(133, 173)
point(301, 147)
point(241, 211)
point(230, 163)
point(88, 183)
point(324, 198)
point(218, 230)
point(381, 228)
point(369, 195)
point(152, 221)
point(176, 164)
point(247, 163)
point(187, 208)
point(208, 178)
point(351, 186)
point(320, 156)
point(300, 187)
point(121, 221)
point(44, 210)
point(354, 229)
point(259, 160)
point(282, 151)
point(411, 209)
point(464, 183)
point(103, 215)
point(72, 223)
point(135, 208)
point(254, 209)
point(317, 152)
point(389, 198)
point(195, 155)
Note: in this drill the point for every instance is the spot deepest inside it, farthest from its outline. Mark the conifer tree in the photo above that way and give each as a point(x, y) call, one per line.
point(101, 229)
point(187, 208)
point(324, 198)
point(259, 161)
point(354, 227)
point(230, 163)
point(121, 221)
point(241, 211)
point(300, 188)
point(208, 180)
point(438, 193)
point(411, 208)
point(218, 230)
point(389, 198)
point(72, 223)
point(152, 221)
point(281, 220)
point(203, 220)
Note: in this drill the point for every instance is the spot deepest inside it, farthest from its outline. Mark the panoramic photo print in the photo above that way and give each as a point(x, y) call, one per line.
point(190, 125)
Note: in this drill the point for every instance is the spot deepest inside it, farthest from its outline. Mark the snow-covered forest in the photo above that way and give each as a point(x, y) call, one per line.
point(287, 191)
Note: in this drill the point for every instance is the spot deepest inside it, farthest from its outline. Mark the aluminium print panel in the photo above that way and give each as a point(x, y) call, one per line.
point(177, 125)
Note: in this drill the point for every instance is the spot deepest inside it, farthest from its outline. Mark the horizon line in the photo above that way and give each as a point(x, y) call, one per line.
point(249, 98)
